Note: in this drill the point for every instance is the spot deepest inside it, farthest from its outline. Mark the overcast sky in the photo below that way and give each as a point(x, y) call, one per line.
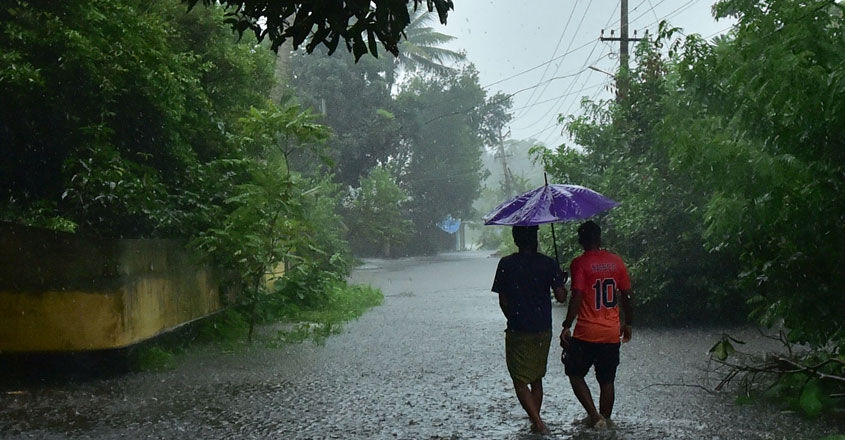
point(506, 37)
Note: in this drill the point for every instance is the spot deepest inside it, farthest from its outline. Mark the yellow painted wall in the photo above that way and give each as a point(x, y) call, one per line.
point(277, 272)
point(49, 321)
point(63, 292)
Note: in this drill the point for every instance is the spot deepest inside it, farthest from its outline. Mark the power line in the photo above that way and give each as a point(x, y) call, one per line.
point(580, 23)
point(677, 11)
point(653, 11)
point(537, 66)
point(566, 112)
point(561, 96)
point(586, 63)
point(506, 97)
point(718, 32)
point(557, 46)
point(571, 84)
point(592, 98)
point(644, 13)
point(555, 122)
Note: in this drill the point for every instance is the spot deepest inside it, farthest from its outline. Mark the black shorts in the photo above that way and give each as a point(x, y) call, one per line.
point(581, 355)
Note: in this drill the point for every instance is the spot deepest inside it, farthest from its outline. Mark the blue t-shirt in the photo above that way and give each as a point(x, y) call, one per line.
point(526, 281)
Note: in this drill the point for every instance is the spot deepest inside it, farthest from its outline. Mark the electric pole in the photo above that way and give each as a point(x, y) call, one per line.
point(621, 87)
point(506, 171)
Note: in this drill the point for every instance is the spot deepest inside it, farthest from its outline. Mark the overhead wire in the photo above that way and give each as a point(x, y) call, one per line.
point(580, 23)
point(574, 80)
point(554, 123)
point(653, 11)
point(718, 32)
point(675, 12)
point(561, 96)
point(537, 66)
point(555, 107)
point(557, 46)
point(599, 88)
point(644, 13)
point(556, 120)
point(506, 97)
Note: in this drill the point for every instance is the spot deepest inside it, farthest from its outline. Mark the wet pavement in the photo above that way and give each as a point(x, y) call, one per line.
point(427, 364)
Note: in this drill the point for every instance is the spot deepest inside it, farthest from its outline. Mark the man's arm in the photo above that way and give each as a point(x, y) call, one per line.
point(560, 294)
point(503, 304)
point(571, 313)
point(627, 315)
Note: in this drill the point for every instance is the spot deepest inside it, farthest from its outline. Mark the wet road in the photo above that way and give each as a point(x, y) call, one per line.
point(427, 364)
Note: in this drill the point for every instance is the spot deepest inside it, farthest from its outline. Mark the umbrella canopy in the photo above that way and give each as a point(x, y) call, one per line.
point(549, 204)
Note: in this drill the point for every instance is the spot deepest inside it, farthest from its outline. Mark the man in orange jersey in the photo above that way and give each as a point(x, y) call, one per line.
point(600, 287)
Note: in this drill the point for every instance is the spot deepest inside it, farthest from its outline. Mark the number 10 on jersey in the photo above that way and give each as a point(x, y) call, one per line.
point(605, 290)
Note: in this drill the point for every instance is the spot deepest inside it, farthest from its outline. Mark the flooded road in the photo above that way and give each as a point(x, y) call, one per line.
point(427, 364)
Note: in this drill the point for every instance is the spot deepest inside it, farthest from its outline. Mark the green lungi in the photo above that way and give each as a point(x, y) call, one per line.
point(527, 354)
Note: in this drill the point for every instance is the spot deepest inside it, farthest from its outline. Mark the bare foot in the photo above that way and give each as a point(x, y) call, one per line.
point(586, 421)
point(540, 428)
point(600, 424)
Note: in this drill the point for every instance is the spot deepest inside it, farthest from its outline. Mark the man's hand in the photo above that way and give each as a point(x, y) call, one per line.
point(565, 338)
point(560, 294)
point(625, 332)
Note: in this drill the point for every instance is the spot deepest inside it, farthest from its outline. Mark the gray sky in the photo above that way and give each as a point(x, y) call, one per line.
point(505, 37)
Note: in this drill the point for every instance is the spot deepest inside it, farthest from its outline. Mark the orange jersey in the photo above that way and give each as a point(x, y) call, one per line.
point(600, 275)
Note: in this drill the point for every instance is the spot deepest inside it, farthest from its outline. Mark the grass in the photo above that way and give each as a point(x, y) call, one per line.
point(344, 303)
point(288, 323)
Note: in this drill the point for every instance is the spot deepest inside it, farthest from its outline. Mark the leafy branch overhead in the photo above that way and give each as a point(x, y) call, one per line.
point(359, 24)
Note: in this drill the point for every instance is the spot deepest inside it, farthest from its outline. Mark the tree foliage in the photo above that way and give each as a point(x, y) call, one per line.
point(115, 111)
point(422, 49)
point(376, 218)
point(727, 157)
point(773, 95)
point(439, 154)
point(354, 100)
point(432, 151)
point(136, 120)
point(361, 25)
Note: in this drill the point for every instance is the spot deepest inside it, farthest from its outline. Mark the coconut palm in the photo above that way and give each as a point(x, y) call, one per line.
point(421, 50)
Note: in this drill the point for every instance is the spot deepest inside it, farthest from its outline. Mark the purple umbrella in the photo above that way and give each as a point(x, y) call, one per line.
point(548, 204)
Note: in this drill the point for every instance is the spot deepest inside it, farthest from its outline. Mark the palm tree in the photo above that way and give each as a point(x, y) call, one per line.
point(421, 50)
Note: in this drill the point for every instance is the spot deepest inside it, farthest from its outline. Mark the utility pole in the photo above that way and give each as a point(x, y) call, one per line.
point(507, 172)
point(621, 87)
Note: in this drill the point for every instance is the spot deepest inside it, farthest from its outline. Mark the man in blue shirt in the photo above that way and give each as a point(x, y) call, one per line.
point(523, 281)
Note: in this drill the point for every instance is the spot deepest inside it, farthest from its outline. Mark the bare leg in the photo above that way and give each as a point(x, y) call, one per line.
point(530, 404)
point(537, 392)
point(582, 392)
point(606, 399)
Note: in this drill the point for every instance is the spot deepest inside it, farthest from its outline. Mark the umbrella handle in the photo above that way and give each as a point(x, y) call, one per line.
point(557, 258)
point(554, 242)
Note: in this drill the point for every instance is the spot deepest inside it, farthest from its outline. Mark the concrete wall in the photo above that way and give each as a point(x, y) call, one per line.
point(62, 292)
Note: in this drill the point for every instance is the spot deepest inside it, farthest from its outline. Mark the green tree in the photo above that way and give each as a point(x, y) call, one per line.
point(142, 120)
point(354, 100)
point(376, 218)
point(439, 159)
point(766, 114)
point(658, 227)
point(360, 24)
point(421, 49)
point(114, 130)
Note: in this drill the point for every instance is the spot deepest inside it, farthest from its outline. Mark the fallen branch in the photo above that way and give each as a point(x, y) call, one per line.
point(813, 370)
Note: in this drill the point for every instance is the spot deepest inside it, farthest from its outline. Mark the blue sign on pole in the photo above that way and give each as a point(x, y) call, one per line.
point(450, 224)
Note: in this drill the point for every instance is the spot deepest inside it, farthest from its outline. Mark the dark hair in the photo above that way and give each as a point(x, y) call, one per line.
point(589, 234)
point(525, 237)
